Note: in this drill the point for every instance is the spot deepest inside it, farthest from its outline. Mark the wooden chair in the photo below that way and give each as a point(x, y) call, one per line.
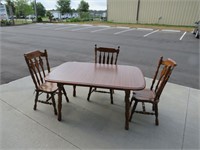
point(104, 55)
point(152, 95)
point(38, 66)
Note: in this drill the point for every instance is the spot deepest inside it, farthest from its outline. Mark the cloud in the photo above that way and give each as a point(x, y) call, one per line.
point(48, 4)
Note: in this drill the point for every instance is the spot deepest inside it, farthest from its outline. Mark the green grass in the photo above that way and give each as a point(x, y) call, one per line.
point(154, 26)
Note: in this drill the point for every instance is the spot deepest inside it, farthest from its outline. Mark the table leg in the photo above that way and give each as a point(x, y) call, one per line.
point(74, 90)
point(127, 109)
point(60, 86)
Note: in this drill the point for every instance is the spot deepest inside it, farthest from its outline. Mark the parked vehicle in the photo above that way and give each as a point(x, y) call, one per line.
point(30, 17)
point(196, 29)
point(14, 17)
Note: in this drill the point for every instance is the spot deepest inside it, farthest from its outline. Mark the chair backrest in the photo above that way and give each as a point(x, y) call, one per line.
point(104, 55)
point(163, 72)
point(37, 62)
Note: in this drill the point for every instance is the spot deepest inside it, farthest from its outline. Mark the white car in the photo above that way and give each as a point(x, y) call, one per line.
point(30, 17)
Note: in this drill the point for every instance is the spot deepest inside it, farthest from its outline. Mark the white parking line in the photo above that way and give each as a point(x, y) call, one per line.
point(171, 30)
point(151, 33)
point(147, 29)
point(68, 27)
point(82, 28)
point(49, 23)
point(124, 31)
point(123, 27)
point(87, 25)
point(182, 35)
point(105, 28)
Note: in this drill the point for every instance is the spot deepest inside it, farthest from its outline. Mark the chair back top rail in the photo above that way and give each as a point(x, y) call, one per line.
point(104, 55)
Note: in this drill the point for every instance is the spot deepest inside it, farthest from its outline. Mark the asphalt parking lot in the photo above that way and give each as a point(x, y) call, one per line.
point(141, 47)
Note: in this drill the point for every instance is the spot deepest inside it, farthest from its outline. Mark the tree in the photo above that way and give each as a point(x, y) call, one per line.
point(64, 6)
point(10, 3)
point(41, 11)
point(83, 9)
point(11, 9)
point(83, 6)
point(23, 8)
point(49, 15)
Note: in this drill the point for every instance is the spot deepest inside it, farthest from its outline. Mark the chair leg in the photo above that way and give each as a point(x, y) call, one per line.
point(153, 107)
point(89, 93)
point(131, 101)
point(54, 103)
point(156, 114)
point(133, 110)
point(64, 92)
point(74, 90)
point(36, 99)
point(47, 96)
point(143, 107)
point(111, 96)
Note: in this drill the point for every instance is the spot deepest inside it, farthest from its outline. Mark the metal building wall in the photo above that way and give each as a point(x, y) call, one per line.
point(122, 10)
point(171, 12)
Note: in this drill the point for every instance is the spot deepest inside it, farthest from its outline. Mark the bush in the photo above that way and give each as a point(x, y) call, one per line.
point(49, 15)
point(74, 20)
point(79, 19)
point(5, 23)
point(84, 15)
point(39, 19)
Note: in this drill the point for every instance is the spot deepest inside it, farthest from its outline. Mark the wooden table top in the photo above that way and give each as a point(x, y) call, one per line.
point(119, 77)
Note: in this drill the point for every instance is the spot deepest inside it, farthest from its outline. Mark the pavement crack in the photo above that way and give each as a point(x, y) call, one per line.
point(183, 140)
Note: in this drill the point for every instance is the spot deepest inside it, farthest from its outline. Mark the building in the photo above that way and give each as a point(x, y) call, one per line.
point(57, 15)
point(3, 12)
point(169, 12)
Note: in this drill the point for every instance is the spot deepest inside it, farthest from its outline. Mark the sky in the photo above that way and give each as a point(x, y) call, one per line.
point(94, 4)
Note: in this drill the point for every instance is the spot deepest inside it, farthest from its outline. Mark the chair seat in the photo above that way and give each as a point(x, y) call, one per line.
point(48, 87)
point(145, 95)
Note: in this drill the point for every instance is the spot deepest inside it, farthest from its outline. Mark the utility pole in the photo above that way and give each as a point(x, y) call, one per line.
point(35, 7)
point(11, 11)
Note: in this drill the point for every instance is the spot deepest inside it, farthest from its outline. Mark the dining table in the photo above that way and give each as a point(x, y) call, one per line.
point(116, 77)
